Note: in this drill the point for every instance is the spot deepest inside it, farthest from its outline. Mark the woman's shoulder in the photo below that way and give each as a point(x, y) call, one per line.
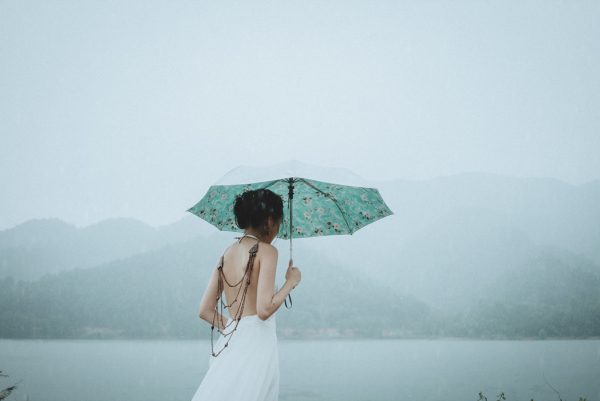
point(266, 250)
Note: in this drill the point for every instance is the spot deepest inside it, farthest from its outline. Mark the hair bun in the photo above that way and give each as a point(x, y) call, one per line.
point(253, 207)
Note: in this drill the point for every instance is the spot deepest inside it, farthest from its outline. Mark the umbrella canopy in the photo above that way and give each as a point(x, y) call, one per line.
point(317, 200)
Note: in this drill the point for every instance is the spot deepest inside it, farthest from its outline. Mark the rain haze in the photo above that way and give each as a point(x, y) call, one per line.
point(477, 122)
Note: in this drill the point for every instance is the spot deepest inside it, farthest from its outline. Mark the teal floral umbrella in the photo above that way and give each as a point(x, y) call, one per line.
point(311, 207)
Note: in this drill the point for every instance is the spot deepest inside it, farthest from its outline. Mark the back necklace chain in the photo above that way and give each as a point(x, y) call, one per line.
point(221, 304)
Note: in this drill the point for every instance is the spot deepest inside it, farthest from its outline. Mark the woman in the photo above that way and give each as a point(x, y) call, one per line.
point(244, 364)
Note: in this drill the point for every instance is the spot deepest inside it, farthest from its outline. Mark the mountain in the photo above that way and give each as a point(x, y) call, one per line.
point(451, 242)
point(40, 246)
point(549, 295)
point(156, 295)
point(449, 232)
point(539, 210)
point(548, 210)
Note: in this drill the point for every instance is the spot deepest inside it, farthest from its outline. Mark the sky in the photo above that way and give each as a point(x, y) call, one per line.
point(134, 108)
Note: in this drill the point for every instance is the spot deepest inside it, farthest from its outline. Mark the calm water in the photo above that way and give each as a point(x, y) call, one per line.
point(336, 370)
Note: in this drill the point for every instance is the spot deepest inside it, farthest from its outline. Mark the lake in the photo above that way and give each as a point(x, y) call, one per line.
point(332, 370)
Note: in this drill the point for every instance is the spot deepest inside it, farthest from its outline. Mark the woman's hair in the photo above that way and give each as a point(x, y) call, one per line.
point(253, 207)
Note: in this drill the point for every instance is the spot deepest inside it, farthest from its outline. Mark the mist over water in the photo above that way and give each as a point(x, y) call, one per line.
point(476, 122)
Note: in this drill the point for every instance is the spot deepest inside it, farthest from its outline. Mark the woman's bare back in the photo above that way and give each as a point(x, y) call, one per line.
point(235, 261)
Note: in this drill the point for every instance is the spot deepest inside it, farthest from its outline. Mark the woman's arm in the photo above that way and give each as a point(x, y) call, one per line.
point(209, 302)
point(268, 302)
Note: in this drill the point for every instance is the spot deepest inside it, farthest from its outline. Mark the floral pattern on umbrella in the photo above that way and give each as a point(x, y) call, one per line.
point(318, 208)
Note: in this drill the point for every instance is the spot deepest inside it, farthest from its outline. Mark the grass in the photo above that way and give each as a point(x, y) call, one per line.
point(501, 397)
point(6, 391)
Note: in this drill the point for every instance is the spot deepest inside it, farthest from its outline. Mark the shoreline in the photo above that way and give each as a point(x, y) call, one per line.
point(300, 339)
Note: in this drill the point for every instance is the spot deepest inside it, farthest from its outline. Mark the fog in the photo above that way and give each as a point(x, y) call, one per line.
point(131, 109)
point(477, 123)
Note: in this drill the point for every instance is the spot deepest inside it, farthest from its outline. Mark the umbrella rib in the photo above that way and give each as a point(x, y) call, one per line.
point(271, 183)
point(333, 200)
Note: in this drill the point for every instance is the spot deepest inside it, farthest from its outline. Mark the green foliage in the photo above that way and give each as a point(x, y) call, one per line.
point(501, 397)
point(546, 297)
point(156, 295)
point(4, 393)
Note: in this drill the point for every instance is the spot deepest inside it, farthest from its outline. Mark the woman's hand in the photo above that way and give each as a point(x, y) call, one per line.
point(293, 274)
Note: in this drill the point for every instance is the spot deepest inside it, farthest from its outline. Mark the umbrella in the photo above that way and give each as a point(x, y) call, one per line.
point(317, 200)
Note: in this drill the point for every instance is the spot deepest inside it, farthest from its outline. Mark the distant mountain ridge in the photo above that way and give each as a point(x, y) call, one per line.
point(451, 241)
point(40, 246)
point(157, 294)
point(548, 210)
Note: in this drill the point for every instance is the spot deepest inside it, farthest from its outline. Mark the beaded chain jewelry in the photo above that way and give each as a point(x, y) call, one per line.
point(220, 287)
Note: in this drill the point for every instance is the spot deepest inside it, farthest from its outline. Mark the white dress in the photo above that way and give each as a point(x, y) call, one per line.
point(248, 368)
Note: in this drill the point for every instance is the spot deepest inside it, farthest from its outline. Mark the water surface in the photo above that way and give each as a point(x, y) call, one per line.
point(332, 370)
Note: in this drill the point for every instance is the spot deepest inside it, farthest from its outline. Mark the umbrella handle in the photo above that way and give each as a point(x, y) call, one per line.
point(290, 204)
point(288, 295)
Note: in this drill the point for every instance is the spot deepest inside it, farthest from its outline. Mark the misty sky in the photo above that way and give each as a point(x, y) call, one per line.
point(133, 108)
